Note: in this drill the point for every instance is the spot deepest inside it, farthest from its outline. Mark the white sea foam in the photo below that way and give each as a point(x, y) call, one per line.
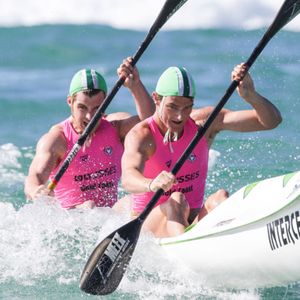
point(42, 242)
point(9, 165)
point(137, 14)
point(9, 155)
point(39, 239)
point(213, 158)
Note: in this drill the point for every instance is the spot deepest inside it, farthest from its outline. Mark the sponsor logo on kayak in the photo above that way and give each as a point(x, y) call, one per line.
point(225, 222)
point(284, 231)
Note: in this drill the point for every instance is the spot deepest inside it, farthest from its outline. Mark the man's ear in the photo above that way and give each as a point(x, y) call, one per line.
point(69, 100)
point(156, 98)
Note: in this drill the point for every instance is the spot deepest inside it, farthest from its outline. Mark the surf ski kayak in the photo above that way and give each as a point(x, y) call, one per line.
point(250, 240)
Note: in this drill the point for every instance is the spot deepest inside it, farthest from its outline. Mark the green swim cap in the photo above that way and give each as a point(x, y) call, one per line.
point(176, 81)
point(87, 79)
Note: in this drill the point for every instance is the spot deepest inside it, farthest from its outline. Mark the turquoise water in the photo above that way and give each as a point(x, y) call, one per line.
point(43, 248)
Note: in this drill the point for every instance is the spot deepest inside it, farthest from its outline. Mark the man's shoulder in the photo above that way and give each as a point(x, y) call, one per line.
point(117, 116)
point(140, 138)
point(201, 113)
point(141, 127)
point(56, 130)
point(53, 141)
point(139, 133)
point(54, 135)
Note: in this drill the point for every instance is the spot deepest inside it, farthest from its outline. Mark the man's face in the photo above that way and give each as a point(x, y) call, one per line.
point(175, 111)
point(83, 109)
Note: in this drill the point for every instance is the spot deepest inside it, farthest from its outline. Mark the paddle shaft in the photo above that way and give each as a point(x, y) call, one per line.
point(288, 11)
point(169, 8)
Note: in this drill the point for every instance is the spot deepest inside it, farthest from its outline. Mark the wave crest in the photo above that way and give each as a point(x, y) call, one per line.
point(140, 15)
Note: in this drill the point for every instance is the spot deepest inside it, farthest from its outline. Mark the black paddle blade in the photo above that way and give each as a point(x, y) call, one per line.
point(288, 11)
point(167, 11)
point(107, 264)
point(169, 8)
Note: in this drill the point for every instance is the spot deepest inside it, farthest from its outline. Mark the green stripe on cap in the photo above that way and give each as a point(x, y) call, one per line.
point(176, 81)
point(87, 79)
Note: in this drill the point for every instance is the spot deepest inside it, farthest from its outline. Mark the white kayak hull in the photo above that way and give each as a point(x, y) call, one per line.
point(251, 240)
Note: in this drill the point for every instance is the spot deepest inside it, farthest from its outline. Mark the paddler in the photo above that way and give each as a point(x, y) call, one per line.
point(153, 146)
point(92, 177)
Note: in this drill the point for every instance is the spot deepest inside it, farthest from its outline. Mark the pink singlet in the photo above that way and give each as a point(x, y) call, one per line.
point(95, 171)
point(192, 175)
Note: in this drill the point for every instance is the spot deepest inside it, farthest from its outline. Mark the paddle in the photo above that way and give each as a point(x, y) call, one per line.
point(169, 8)
point(108, 262)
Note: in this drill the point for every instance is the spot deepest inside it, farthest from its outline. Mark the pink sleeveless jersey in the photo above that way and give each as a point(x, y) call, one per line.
point(95, 171)
point(192, 175)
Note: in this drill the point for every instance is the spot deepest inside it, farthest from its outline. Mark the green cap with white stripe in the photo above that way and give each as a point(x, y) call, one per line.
point(176, 81)
point(87, 79)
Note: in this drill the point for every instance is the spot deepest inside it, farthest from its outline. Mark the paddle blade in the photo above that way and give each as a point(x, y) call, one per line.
point(167, 11)
point(169, 8)
point(288, 11)
point(107, 264)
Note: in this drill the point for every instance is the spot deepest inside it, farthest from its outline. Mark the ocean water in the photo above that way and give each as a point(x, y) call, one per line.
point(44, 248)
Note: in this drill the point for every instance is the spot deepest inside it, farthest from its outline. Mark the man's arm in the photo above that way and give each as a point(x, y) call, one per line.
point(49, 151)
point(143, 102)
point(263, 116)
point(134, 158)
point(139, 147)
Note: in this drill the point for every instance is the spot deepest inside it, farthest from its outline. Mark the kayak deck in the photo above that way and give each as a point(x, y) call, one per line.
point(252, 239)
